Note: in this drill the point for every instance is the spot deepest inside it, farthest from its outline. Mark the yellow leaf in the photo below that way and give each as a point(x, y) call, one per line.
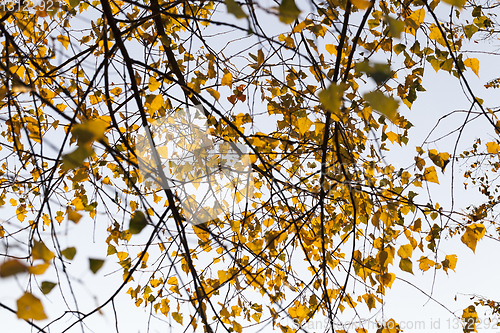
point(469, 312)
point(456, 3)
point(69, 253)
point(392, 136)
point(164, 306)
point(177, 317)
point(405, 251)
point(175, 289)
point(256, 245)
point(473, 64)
point(116, 91)
point(64, 40)
point(202, 234)
point(122, 255)
point(303, 125)
point(59, 216)
point(386, 256)
point(396, 27)
point(248, 159)
point(415, 20)
point(425, 263)
point(235, 9)
point(331, 48)
point(268, 222)
point(157, 102)
point(78, 203)
point(257, 142)
point(419, 163)
point(406, 265)
point(111, 250)
point(36, 174)
point(430, 175)
point(48, 94)
point(387, 279)
point(46, 287)
point(331, 97)
point(21, 213)
point(75, 159)
point(3, 92)
point(38, 269)
point(492, 147)
point(74, 216)
point(418, 16)
point(163, 151)
point(40, 251)
point(138, 222)
point(301, 311)
point(473, 233)
point(30, 307)
point(215, 94)
point(288, 11)
point(93, 99)
point(436, 35)
point(46, 219)
point(361, 4)
point(106, 181)
point(299, 27)
point(172, 281)
point(449, 262)
point(95, 264)
point(469, 317)
point(439, 159)
point(391, 327)
point(155, 282)
point(153, 84)
point(386, 105)
point(227, 79)
point(18, 70)
point(147, 290)
point(223, 276)
point(90, 130)
point(12, 267)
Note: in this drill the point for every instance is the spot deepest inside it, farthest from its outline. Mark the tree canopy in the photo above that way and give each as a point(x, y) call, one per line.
point(240, 161)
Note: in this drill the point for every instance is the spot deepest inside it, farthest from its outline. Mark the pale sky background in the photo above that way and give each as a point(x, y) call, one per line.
point(475, 273)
